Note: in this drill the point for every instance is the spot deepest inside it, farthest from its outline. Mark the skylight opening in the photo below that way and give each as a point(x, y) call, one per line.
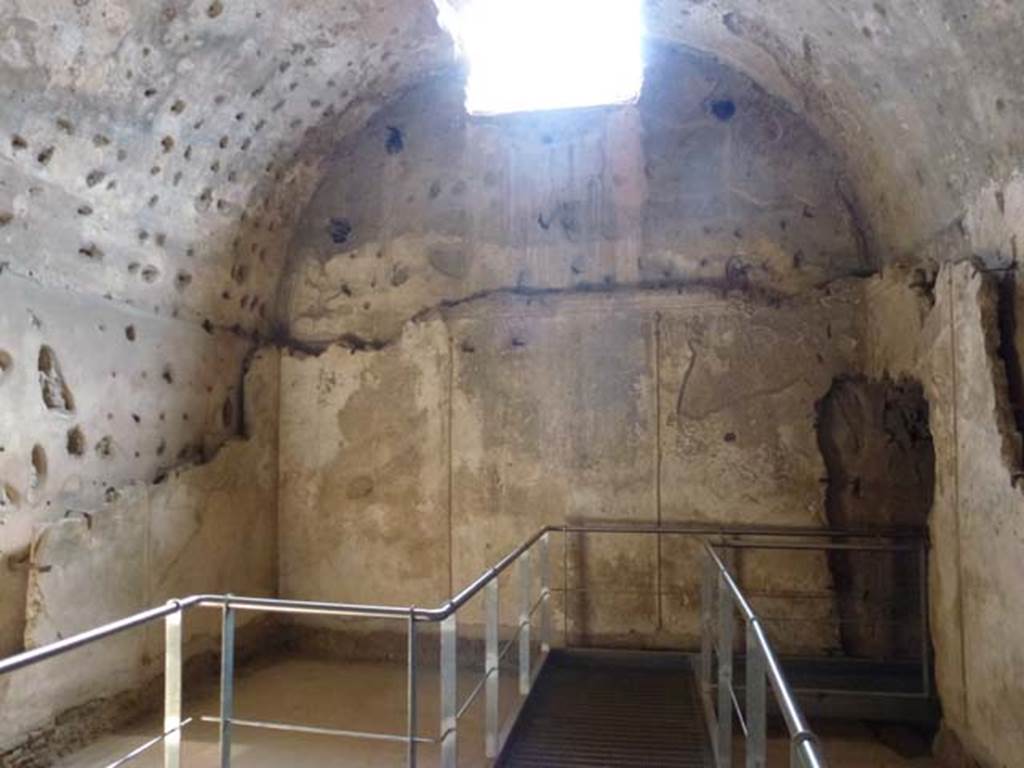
point(532, 55)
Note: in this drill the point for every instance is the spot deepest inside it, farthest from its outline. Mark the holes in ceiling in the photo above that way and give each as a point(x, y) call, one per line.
point(76, 442)
point(39, 468)
point(56, 393)
point(723, 109)
point(224, 139)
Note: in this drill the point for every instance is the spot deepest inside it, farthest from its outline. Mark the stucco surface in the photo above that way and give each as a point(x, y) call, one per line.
point(146, 545)
point(658, 194)
point(93, 397)
point(976, 529)
point(479, 426)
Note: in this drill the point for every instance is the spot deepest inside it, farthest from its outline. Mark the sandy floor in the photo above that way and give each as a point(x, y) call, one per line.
point(362, 696)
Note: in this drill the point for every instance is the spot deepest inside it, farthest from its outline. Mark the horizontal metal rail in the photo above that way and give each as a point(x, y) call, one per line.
point(314, 730)
point(272, 605)
point(36, 655)
point(142, 748)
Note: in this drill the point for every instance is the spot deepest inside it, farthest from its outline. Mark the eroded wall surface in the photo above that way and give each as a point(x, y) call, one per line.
point(206, 528)
point(406, 472)
point(952, 336)
point(94, 396)
point(706, 180)
point(155, 157)
point(602, 314)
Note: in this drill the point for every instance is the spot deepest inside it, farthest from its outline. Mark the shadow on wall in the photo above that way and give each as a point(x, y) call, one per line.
point(878, 451)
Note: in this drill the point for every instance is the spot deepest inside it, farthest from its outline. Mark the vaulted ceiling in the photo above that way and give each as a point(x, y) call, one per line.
point(159, 154)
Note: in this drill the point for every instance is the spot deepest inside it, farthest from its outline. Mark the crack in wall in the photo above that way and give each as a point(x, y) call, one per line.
point(281, 336)
point(680, 417)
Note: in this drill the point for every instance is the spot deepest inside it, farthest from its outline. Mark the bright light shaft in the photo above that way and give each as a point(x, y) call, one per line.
point(527, 55)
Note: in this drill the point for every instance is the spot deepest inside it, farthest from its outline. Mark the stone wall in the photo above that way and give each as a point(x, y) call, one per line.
point(94, 396)
point(205, 528)
point(880, 458)
point(950, 337)
point(155, 158)
point(406, 472)
point(577, 316)
point(706, 181)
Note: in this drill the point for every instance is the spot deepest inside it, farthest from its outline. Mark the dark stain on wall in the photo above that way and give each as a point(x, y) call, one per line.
point(877, 446)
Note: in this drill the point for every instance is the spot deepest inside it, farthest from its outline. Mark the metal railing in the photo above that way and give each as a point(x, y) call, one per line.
point(761, 665)
point(721, 598)
point(446, 616)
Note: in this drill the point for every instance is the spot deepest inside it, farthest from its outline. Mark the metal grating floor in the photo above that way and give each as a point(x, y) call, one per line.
point(606, 709)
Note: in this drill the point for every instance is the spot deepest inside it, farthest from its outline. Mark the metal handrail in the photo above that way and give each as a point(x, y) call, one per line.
point(444, 614)
point(764, 662)
point(438, 614)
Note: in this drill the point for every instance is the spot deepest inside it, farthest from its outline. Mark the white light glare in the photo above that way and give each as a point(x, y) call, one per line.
point(527, 55)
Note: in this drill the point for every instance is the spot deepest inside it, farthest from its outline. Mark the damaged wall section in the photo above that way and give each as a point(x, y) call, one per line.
point(206, 528)
point(662, 193)
point(407, 471)
point(94, 396)
point(877, 446)
point(977, 523)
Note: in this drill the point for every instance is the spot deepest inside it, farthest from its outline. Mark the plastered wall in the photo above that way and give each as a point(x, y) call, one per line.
point(573, 317)
point(406, 472)
point(155, 159)
point(951, 339)
point(94, 397)
point(206, 528)
point(707, 180)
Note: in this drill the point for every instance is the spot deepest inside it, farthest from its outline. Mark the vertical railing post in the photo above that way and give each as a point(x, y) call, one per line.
point(227, 681)
point(524, 623)
point(172, 689)
point(726, 619)
point(545, 593)
point(411, 691)
point(449, 692)
point(565, 589)
point(756, 700)
point(491, 669)
point(709, 580)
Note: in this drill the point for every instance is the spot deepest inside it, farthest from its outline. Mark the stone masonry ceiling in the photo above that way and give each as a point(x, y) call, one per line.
point(160, 154)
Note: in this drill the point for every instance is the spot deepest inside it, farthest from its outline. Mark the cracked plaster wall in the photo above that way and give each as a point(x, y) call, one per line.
point(612, 310)
point(706, 180)
point(406, 472)
point(950, 341)
point(95, 397)
point(207, 528)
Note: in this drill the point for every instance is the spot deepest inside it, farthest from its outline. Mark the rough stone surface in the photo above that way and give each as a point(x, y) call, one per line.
point(148, 544)
point(976, 521)
point(661, 193)
point(577, 408)
point(877, 445)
